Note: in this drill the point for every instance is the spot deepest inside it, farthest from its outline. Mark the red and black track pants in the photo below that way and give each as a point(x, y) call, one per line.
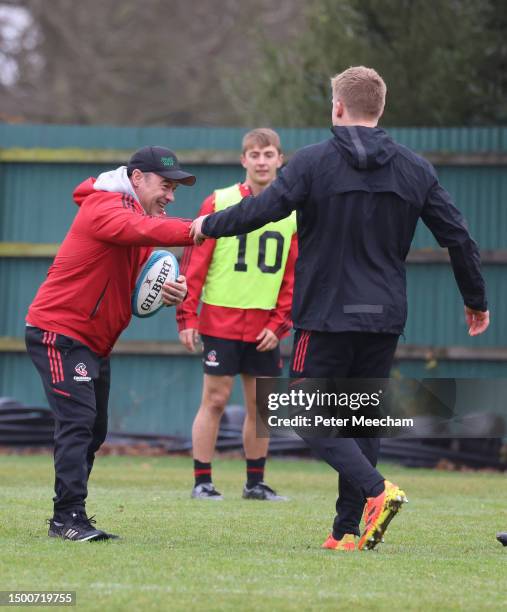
point(346, 355)
point(76, 381)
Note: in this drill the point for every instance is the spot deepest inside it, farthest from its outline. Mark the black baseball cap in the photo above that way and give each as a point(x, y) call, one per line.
point(161, 161)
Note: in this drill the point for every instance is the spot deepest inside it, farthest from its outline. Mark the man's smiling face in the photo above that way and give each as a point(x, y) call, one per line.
point(154, 191)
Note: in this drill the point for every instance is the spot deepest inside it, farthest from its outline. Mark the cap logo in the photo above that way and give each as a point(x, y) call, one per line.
point(167, 161)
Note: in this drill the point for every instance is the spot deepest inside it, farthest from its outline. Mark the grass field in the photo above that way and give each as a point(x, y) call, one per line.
point(181, 554)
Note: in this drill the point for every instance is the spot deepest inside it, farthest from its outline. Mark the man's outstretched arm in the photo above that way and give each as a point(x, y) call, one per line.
point(276, 202)
point(449, 228)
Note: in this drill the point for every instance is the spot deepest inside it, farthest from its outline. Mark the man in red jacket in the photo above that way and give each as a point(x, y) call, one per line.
point(245, 284)
point(85, 303)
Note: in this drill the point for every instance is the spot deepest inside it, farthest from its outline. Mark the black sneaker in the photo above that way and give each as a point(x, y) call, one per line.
point(502, 538)
point(263, 492)
point(206, 490)
point(78, 528)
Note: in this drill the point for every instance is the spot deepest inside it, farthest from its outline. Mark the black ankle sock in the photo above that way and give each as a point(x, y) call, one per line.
point(202, 472)
point(254, 471)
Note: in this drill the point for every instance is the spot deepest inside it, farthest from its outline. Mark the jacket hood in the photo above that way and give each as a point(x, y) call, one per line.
point(115, 181)
point(364, 147)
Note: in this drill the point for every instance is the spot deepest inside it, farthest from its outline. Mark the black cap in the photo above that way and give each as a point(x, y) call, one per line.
point(161, 161)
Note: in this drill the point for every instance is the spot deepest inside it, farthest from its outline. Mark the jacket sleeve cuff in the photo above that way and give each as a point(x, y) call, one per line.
point(280, 330)
point(205, 229)
point(189, 323)
point(480, 305)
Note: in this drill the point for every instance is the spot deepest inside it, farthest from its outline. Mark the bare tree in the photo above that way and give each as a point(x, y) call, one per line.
point(131, 62)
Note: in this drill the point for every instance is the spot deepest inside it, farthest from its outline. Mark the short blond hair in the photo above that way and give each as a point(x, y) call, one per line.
point(362, 90)
point(261, 137)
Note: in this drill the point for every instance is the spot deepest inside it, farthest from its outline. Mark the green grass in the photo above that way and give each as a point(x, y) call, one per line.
point(181, 554)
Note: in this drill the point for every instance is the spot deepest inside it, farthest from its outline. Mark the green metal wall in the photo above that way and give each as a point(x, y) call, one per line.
point(36, 198)
point(435, 307)
point(161, 393)
point(37, 203)
point(459, 140)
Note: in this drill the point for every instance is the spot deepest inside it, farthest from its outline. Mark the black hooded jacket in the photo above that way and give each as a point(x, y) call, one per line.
point(358, 198)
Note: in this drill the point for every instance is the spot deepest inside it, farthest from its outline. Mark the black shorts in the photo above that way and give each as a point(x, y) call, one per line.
point(223, 357)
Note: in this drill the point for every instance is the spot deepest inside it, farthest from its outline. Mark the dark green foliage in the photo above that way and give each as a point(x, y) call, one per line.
point(445, 62)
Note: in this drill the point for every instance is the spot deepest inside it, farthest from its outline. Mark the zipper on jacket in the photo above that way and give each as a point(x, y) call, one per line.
point(101, 296)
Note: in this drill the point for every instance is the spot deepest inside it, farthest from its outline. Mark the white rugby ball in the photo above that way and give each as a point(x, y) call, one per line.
point(161, 267)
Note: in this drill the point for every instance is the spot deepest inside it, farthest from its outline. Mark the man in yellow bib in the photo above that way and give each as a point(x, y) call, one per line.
point(245, 284)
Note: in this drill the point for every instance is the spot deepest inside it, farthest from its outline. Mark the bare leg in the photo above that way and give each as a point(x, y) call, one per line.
point(215, 395)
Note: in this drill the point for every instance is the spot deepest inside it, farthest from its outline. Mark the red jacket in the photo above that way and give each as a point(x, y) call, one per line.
point(225, 322)
point(88, 289)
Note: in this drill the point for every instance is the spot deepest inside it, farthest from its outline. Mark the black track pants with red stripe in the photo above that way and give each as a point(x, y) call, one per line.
point(346, 355)
point(76, 381)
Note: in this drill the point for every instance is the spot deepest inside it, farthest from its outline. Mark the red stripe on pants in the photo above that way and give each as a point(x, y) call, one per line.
point(299, 360)
point(59, 361)
point(52, 340)
point(46, 341)
point(298, 350)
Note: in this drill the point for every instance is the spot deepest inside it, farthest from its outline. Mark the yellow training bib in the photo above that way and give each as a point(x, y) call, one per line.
point(246, 271)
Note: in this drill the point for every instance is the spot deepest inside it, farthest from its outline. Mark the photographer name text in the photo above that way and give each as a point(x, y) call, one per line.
point(354, 421)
